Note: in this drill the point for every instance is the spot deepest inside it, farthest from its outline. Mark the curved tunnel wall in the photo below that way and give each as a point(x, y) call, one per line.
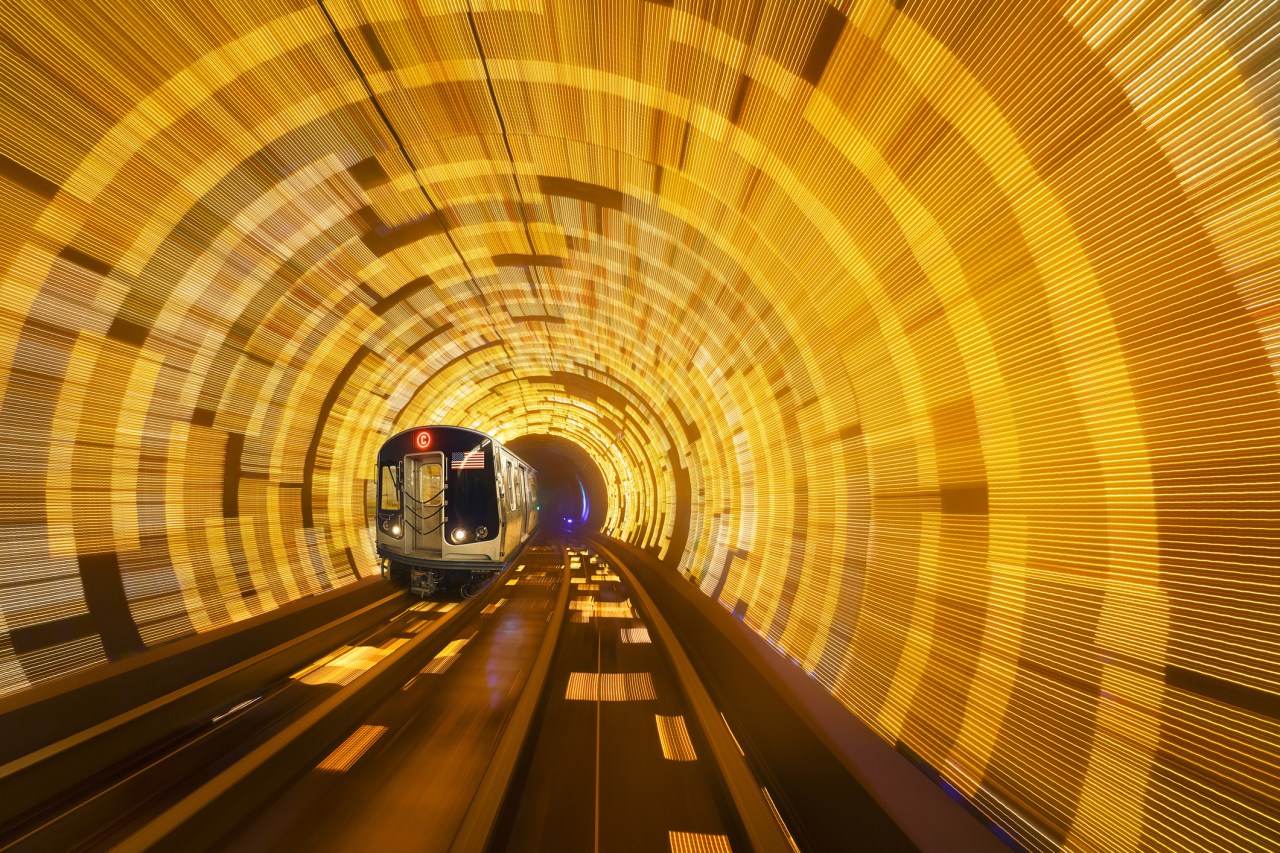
point(936, 340)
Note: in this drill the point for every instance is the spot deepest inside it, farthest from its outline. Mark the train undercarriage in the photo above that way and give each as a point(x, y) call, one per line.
point(425, 581)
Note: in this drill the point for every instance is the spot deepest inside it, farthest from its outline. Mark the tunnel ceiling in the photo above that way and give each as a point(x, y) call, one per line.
point(936, 340)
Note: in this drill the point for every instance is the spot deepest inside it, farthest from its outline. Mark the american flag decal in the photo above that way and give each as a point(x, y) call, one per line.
point(472, 460)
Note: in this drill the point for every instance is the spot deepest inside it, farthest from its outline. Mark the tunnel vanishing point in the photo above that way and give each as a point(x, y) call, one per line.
point(939, 341)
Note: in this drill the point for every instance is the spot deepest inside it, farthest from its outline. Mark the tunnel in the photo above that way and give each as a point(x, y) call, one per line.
point(935, 343)
point(572, 494)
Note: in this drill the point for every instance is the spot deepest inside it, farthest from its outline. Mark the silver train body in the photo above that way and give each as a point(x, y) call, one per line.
point(452, 505)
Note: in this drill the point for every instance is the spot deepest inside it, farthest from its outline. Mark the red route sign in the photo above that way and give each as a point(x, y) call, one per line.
point(422, 440)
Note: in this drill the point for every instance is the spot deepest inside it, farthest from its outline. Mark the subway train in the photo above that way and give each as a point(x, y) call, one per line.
point(453, 504)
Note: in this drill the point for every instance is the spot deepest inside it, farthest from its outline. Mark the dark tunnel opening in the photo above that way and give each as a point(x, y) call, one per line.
point(571, 489)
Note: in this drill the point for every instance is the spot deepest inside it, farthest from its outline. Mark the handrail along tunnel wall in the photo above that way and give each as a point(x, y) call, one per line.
point(935, 340)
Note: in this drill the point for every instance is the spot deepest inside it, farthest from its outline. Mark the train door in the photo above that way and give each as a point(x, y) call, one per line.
point(512, 507)
point(425, 502)
point(524, 503)
point(506, 504)
point(534, 505)
point(517, 502)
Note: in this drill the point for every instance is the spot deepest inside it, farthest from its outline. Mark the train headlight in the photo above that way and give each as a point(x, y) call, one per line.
point(396, 531)
point(459, 535)
point(482, 532)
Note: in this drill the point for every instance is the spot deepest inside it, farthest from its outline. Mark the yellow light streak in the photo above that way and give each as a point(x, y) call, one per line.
point(445, 658)
point(350, 751)
point(635, 635)
point(610, 687)
point(347, 664)
point(673, 736)
point(698, 842)
point(591, 608)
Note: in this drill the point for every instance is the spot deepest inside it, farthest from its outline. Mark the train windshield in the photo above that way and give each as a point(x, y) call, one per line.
point(390, 489)
point(472, 496)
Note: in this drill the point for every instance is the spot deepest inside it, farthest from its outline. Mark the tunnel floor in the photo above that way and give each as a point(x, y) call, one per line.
point(613, 759)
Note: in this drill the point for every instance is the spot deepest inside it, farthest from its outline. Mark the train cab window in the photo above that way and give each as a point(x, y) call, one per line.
point(390, 489)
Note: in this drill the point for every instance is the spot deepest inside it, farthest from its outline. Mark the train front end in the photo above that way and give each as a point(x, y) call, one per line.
point(438, 521)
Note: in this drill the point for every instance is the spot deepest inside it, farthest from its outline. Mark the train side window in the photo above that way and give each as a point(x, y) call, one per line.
point(390, 493)
point(511, 492)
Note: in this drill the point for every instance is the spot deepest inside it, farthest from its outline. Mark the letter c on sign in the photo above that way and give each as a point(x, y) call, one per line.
point(422, 440)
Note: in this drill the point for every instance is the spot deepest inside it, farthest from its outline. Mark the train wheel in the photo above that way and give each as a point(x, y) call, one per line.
point(398, 574)
point(475, 587)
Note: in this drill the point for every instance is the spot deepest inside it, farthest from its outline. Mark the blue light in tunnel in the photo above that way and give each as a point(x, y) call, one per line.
point(586, 504)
